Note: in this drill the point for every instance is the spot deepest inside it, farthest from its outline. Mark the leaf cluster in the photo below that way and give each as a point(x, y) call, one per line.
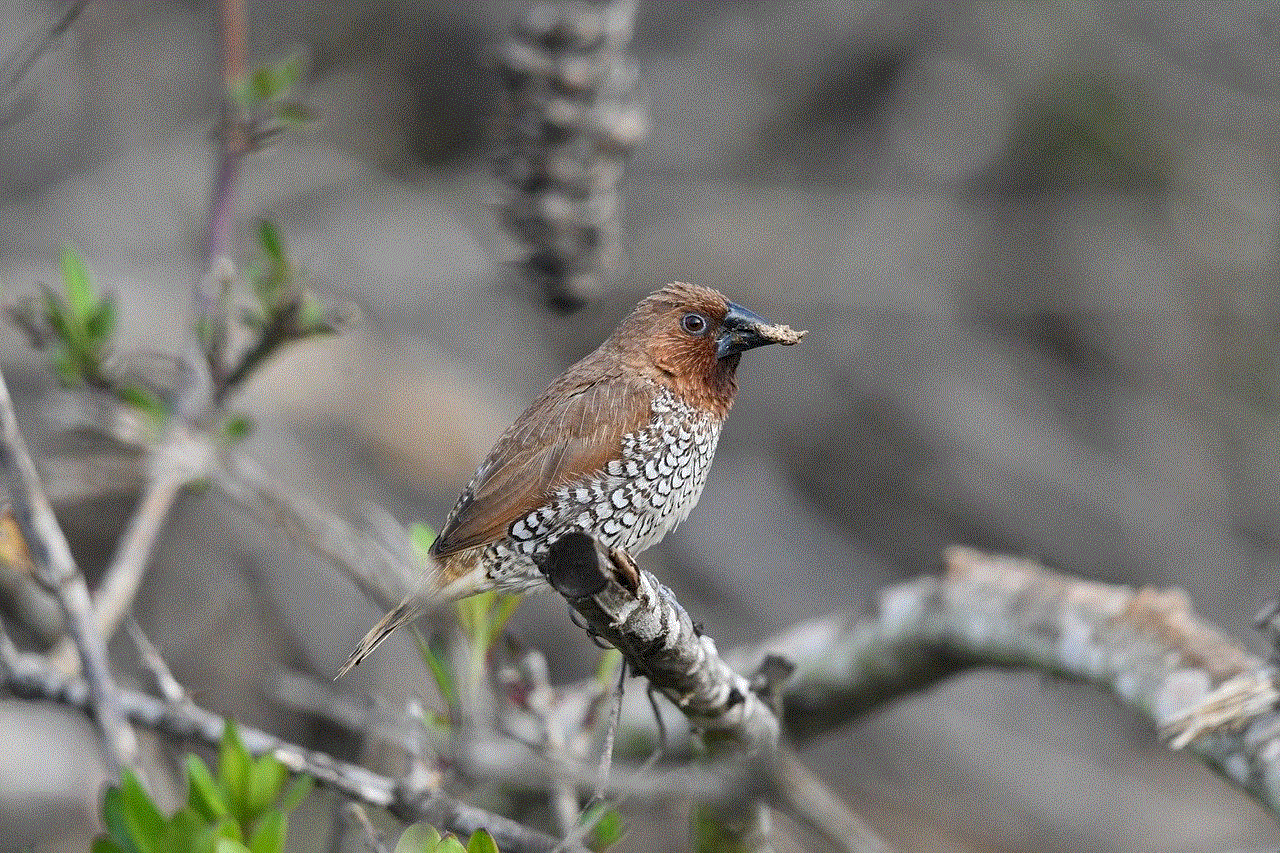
point(281, 310)
point(74, 324)
point(242, 809)
point(265, 102)
point(423, 838)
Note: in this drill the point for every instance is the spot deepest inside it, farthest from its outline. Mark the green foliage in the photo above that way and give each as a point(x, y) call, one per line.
point(607, 826)
point(607, 668)
point(282, 310)
point(241, 810)
point(435, 659)
point(422, 537)
point(711, 835)
point(423, 838)
point(74, 324)
point(483, 616)
point(267, 98)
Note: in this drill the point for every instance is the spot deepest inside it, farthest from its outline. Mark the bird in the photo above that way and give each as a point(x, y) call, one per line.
point(617, 447)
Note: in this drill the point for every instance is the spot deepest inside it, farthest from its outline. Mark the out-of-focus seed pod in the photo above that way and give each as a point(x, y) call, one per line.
point(569, 117)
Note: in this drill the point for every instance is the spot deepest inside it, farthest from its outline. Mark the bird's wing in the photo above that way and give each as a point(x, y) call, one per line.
point(572, 430)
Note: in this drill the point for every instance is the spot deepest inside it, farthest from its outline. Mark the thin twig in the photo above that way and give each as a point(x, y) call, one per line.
point(801, 794)
point(24, 58)
point(28, 676)
point(610, 735)
point(372, 836)
point(182, 457)
point(541, 702)
point(168, 686)
point(57, 571)
point(384, 574)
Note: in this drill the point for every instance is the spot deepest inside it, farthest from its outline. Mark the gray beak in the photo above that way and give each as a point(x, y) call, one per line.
point(743, 330)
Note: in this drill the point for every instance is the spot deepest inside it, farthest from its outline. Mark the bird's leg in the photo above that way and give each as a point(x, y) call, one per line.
point(628, 574)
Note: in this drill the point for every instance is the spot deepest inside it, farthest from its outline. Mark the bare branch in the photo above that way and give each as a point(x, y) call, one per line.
point(1144, 645)
point(57, 571)
point(658, 639)
point(372, 836)
point(24, 58)
point(182, 457)
point(801, 794)
point(532, 666)
point(29, 677)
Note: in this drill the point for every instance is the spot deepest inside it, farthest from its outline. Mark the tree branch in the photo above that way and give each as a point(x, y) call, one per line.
point(640, 617)
point(28, 676)
point(57, 571)
point(182, 457)
point(658, 638)
point(1145, 646)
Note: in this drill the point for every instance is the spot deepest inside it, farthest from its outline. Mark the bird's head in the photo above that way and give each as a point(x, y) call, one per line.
point(692, 338)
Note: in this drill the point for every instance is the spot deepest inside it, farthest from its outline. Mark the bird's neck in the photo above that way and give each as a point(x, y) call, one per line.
point(711, 389)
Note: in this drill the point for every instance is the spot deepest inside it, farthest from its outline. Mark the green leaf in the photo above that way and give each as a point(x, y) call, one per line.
point(75, 280)
point(186, 832)
point(234, 765)
point(204, 795)
point(473, 615)
point(607, 668)
point(481, 842)
point(266, 779)
point(269, 835)
point(230, 845)
point(422, 537)
point(298, 790)
point(418, 838)
point(105, 844)
point(450, 844)
point(101, 322)
point(271, 244)
point(146, 824)
point(262, 83)
point(288, 74)
point(710, 835)
point(503, 610)
point(148, 404)
point(228, 828)
point(440, 673)
point(114, 820)
point(608, 830)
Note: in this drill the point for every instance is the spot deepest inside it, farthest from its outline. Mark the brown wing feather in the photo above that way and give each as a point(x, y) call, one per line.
point(572, 430)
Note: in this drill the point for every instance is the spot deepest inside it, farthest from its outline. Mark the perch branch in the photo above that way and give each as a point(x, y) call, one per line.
point(640, 617)
point(28, 676)
point(658, 638)
point(57, 571)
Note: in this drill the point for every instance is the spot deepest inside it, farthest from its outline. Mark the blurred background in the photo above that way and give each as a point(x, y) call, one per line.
point(1035, 246)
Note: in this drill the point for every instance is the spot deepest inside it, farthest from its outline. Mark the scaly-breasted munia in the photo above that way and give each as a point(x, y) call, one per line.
point(618, 447)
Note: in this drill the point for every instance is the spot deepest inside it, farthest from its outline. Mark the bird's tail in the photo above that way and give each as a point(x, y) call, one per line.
point(411, 608)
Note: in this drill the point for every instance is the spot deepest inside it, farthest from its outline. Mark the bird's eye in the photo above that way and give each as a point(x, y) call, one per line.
point(694, 324)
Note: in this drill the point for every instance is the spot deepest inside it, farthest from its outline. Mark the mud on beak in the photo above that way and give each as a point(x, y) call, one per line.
point(743, 330)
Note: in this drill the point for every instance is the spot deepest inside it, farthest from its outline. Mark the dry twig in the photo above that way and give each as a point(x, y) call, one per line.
point(29, 677)
point(57, 571)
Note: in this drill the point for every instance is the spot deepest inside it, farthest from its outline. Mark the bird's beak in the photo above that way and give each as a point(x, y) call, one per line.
point(742, 330)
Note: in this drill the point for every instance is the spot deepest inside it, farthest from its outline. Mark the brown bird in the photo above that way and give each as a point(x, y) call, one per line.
point(618, 447)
